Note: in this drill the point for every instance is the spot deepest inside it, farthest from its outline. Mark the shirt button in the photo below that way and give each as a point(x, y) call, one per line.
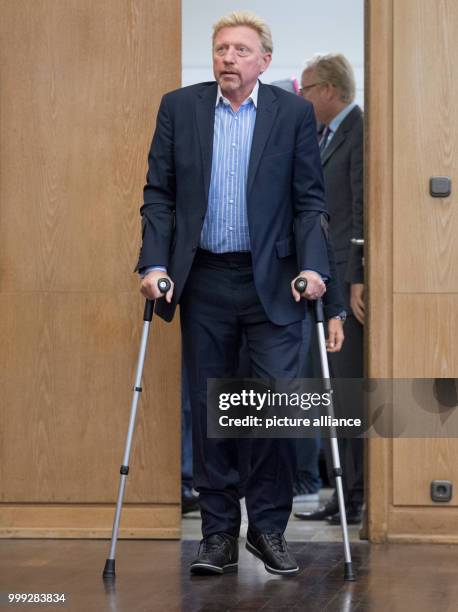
point(233, 144)
point(231, 201)
point(231, 228)
point(232, 173)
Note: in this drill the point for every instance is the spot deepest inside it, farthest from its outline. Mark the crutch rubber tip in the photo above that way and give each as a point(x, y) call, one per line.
point(109, 569)
point(348, 573)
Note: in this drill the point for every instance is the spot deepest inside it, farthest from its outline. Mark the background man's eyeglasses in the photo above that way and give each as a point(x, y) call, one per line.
point(307, 87)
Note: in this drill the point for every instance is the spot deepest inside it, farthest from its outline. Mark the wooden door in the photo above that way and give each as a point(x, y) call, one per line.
point(412, 250)
point(81, 84)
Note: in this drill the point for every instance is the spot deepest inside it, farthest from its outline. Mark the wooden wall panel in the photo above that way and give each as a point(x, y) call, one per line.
point(424, 350)
point(89, 521)
point(424, 332)
point(424, 525)
point(81, 84)
point(427, 459)
point(67, 368)
point(425, 144)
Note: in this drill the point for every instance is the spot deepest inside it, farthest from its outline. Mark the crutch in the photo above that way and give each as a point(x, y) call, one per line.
point(300, 285)
point(109, 570)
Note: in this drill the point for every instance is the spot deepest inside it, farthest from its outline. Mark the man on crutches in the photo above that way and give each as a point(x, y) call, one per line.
point(233, 213)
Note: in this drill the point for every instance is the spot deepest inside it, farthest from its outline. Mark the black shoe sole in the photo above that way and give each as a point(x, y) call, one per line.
point(206, 569)
point(254, 551)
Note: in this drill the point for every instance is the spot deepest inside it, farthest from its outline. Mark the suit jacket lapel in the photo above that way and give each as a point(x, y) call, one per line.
point(266, 113)
point(340, 135)
point(332, 147)
point(205, 119)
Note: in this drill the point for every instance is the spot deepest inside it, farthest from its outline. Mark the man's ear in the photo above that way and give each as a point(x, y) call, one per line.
point(265, 62)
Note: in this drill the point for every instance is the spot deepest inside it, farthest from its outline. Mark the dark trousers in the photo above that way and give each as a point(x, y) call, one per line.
point(348, 363)
point(308, 449)
point(220, 302)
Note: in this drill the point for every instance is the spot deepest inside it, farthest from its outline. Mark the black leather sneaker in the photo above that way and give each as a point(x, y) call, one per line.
point(273, 551)
point(218, 553)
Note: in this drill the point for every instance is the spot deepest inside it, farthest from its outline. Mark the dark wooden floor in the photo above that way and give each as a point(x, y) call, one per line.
point(153, 576)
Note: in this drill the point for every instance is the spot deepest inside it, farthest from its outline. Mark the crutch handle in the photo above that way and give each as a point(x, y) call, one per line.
point(163, 284)
point(300, 284)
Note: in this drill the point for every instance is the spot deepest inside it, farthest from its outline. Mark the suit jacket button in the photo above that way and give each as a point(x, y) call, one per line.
point(194, 249)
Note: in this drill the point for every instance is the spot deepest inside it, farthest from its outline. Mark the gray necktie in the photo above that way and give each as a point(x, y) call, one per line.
point(325, 138)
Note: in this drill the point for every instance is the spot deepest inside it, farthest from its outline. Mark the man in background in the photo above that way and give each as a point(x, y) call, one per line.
point(307, 481)
point(328, 83)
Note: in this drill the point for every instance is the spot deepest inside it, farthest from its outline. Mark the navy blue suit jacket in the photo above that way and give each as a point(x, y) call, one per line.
point(285, 195)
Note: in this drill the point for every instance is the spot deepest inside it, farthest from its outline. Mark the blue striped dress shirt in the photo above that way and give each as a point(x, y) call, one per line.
point(225, 226)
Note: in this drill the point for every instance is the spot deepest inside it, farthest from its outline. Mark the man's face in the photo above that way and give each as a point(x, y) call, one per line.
point(238, 59)
point(314, 90)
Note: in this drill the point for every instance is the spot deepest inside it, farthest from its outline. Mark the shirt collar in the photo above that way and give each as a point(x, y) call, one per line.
point(334, 124)
point(253, 96)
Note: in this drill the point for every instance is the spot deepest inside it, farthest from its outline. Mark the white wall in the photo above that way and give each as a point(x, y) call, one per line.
point(300, 28)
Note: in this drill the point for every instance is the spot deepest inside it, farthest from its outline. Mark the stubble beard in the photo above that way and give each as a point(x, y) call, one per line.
point(229, 84)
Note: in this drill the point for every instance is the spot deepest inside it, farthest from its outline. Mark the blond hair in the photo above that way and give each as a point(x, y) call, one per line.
point(249, 19)
point(334, 68)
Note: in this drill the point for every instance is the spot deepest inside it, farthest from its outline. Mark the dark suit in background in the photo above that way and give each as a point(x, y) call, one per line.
point(342, 163)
